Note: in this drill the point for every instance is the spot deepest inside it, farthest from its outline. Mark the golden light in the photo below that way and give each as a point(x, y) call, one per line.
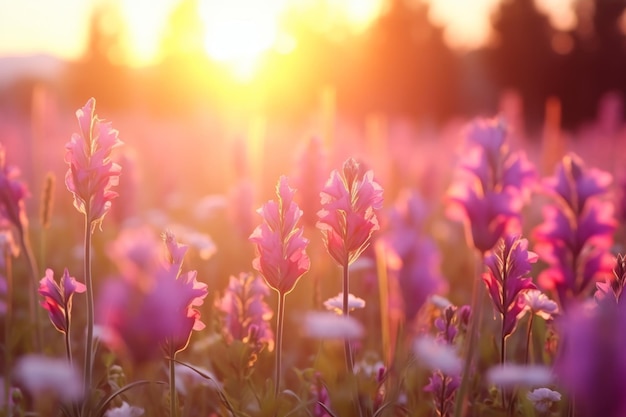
point(239, 32)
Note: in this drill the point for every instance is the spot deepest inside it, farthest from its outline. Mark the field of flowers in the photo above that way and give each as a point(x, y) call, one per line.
point(157, 271)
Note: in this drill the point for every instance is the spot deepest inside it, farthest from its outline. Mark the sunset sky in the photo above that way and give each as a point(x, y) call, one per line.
point(242, 28)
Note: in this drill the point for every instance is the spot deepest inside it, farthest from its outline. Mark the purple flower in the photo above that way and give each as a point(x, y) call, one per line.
point(612, 289)
point(243, 307)
point(491, 185)
point(591, 364)
point(347, 218)
point(92, 174)
point(418, 266)
point(281, 256)
point(58, 298)
point(145, 316)
point(506, 279)
point(12, 195)
point(577, 232)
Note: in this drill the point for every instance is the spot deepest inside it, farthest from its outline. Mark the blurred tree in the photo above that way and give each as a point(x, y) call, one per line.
point(598, 62)
point(100, 72)
point(405, 66)
point(523, 59)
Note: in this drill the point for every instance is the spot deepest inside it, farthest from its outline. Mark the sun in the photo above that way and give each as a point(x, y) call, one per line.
point(239, 32)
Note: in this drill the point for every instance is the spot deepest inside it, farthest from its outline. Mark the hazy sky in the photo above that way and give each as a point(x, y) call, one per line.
point(59, 26)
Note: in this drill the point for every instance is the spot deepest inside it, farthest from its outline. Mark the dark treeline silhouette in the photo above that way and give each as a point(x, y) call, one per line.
point(400, 65)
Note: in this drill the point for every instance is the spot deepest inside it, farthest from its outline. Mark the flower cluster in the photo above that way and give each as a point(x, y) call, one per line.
point(347, 218)
point(576, 234)
point(492, 184)
point(92, 174)
point(58, 298)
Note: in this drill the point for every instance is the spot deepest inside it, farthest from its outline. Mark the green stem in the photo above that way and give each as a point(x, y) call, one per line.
point(528, 338)
point(32, 288)
point(346, 313)
point(90, 315)
point(475, 319)
point(280, 317)
point(173, 396)
point(346, 343)
point(7, 331)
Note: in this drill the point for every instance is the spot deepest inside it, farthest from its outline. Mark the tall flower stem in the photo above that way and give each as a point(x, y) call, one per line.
point(528, 338)
point(173, 396)
point(32, 287)
point(90, 313)
point(280, 317)
point(478, 295)
point(8, 326)
point(346, 313)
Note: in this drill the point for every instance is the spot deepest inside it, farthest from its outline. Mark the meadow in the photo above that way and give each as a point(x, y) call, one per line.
point(189, 267)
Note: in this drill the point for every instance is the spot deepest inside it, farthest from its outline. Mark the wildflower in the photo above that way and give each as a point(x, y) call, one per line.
point(125, 410)
point(591, 364)
point(330, 326)
point(511, 375)
point(58, 299)
point(143, 317)
point(92, 174)
point(506, 279)
point(41, 375)
point(443, 389)
point(347, 218)
point(543, 398)
point(491, 185)
point(613, 288)
point(281, 256)
point(336, 303)
point(417, 267)
point(12, 195)
point(539, 304)
point(576, 235)
point(437, 356)
point(243, 306)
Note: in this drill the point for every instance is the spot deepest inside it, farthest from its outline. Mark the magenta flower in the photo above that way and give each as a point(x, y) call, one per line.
point(281, 256)
point(507, 279)
point(162, 313)
point(58, 298)
point(347, 218)
point(612, 289)
point(418, 272)
point(12, 195)
point(92, 174)
point(244, 310)
point(591, 364)
point(491, 186)
point(577, 233)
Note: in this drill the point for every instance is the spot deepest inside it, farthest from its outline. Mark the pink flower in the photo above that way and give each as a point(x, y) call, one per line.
point(91, 173)
point(243, 306)
point(145, 316)
point(347, 218)
point(58, 298)
point(507, 279)
point(12, 195)
point(281, 256)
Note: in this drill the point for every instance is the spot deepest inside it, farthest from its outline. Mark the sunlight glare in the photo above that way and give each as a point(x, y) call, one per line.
point(239, 32)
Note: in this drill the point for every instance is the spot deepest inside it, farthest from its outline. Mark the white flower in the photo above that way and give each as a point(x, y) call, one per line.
point(124, 411)
point(336, 303)
point(41, 375)
point(519, 375)
point(543, 398)
point(437, 356)
point(187, 378)
point(331, 326)
point(440, 302)
point(538, 303)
